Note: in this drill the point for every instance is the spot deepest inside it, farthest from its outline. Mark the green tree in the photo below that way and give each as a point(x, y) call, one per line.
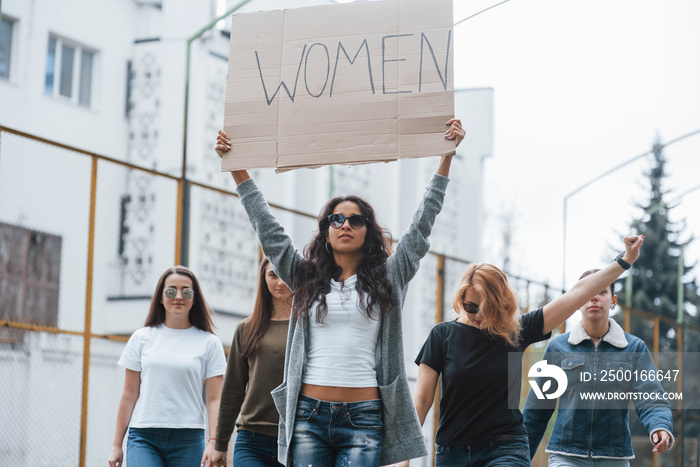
point(655, 274)
point(655, 289)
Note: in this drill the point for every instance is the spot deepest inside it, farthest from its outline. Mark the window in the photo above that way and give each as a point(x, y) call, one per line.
point(6, 29)
point(69, 71)
point(29, 275)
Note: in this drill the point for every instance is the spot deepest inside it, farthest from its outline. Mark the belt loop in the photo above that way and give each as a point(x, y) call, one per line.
point(318, 406)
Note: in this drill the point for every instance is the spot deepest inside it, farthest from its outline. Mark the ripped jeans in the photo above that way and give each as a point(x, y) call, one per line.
point(337, 433)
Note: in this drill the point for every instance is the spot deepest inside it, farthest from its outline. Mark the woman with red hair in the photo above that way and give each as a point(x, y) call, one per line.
point(479, 356)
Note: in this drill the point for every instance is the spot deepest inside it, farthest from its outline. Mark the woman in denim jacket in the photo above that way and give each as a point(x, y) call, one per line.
point(595, 356)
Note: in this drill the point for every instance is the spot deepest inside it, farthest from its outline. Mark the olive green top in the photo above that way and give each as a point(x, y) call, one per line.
point(248, 383)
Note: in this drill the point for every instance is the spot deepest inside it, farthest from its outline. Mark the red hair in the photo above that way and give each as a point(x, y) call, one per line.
point(499, 302)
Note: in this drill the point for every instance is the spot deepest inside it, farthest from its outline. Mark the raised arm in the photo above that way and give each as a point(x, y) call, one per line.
point(277, 246)
point(223, 144)
point(559, 309)
point(414, 244)
point(455, 133)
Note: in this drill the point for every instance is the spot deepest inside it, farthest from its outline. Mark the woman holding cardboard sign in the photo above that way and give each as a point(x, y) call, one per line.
point(345, 397)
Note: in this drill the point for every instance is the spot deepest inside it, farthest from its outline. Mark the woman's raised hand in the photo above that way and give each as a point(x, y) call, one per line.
point(223, 143)
point(632, 245)
point(455, 131)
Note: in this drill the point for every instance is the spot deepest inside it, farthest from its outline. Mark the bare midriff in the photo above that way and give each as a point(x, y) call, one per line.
point(338, 394)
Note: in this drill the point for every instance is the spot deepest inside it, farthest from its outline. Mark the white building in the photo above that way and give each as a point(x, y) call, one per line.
point(109, 77)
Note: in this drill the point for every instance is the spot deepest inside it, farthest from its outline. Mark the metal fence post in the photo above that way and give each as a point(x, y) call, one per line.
point(87, 331)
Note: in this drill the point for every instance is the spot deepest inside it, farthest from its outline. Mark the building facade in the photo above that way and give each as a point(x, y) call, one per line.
point(110, 78)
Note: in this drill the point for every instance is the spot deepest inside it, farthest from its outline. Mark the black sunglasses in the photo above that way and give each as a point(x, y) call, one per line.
point(471, 308)
point(357, 221)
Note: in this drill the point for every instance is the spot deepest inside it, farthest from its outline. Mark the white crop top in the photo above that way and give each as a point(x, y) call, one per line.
point(341, 349)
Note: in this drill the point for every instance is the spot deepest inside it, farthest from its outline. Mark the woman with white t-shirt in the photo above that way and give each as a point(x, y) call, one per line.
point(168, 363)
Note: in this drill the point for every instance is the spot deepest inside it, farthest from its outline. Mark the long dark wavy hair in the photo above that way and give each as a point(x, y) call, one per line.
point(200, 314)
point(314, 274)
point(260, 318)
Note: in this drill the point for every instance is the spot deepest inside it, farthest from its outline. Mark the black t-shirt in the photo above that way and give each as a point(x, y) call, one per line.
point(475, 380)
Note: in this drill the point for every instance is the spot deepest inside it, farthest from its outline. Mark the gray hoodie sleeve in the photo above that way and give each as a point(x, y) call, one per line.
point(414, 244)
point(276, 245)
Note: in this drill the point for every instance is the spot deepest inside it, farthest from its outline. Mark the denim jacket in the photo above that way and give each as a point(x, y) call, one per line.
point(597, 429)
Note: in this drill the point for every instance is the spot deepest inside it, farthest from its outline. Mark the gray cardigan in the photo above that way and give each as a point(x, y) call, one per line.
point(401, 436)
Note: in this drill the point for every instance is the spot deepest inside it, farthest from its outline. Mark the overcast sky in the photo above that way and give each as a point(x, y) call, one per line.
point(580, 87)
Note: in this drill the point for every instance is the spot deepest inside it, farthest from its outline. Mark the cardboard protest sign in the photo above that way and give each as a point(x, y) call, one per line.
point(340, 84)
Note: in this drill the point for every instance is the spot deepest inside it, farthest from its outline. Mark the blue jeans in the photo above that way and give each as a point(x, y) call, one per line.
point(498, 452)
point(255, 450)
point(337, 433)
point(164, 447)
point(557, 460)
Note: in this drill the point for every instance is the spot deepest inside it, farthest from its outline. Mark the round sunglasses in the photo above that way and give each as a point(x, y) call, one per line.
point(171, 293)
point(357, 221)
point(470, 307)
